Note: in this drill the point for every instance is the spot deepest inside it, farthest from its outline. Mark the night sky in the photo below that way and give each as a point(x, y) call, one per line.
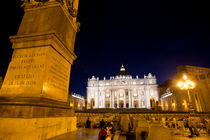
point(145, 35)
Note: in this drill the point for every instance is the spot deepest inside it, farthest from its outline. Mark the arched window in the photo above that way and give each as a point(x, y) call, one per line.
point(107, 104)
point(92, 103)
point(185, 105)
point(127, 105)
point(115, 105)
point(152, 103)
point(121, 103)
point(135, 104)
point(173, 104)
point(166, 105)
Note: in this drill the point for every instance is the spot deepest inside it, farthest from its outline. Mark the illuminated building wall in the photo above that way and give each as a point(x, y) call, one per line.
point(200, 95)
point(1, 81)
point(76, 101)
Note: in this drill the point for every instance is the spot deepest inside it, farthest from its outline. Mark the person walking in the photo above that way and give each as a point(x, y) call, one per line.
point(88, 122)
point(102, 135)
point(191, 124)
point(207, 125)
point(102, 123)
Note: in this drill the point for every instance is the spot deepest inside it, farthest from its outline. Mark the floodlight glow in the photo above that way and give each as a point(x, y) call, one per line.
point(180, 84)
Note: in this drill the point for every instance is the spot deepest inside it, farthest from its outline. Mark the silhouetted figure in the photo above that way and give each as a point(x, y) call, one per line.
point(188, 125)
point(110, 131)
point(144, 135)
point(88, 122)
point(102, 123)
point(102, 134)
point(191, 125)
point(207, 126)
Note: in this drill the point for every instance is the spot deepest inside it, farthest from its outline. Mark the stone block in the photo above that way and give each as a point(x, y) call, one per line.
point(35, 128)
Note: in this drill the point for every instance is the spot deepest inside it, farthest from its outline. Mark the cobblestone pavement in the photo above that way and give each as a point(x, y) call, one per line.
point(80, 134)
point(157, 133)
point(160, 133)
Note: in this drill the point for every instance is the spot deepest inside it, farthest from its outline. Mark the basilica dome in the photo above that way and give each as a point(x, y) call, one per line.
point(123, 72)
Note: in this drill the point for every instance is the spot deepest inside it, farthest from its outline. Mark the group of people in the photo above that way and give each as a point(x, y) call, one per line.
point(193, 124)
point(107, 131)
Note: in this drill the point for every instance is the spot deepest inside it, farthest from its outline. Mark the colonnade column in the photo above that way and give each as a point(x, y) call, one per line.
point(117, 99)
point(104, 101)
point(132, 101)
point(112, 98)
point(110, 101)
point(129, 98)
point(124, 100)
point(147, 97)
point(139, 103)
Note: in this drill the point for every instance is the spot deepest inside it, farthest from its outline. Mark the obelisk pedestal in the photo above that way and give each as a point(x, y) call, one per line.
point(34, 95)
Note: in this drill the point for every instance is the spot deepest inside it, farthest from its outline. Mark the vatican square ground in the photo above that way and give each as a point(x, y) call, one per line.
point(156, 133)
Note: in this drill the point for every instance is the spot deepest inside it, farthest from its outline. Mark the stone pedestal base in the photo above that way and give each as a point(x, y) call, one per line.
point(22, 119)
point(35, 128)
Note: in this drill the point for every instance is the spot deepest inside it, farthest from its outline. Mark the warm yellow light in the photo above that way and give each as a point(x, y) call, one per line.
point(184, 104)
point(185, 85)
point(173, 104)
point(180, 84)
point(192, 84)
point(45, 88)
point(188, 81)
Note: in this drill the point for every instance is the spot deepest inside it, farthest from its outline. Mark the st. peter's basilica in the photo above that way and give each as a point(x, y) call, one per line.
point(122, 91)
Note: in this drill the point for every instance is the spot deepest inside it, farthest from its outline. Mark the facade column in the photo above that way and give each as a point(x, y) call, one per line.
point(124, 99)
point(132, 103)
point(139, 101)
point(117, 99)
point(129, 98)
point(112, 98)
point(115, 92)
point(110, 101)
point(104, 101)
point(147, 97)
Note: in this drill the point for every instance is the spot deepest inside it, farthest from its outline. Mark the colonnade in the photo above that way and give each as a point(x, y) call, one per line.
point(125, 98)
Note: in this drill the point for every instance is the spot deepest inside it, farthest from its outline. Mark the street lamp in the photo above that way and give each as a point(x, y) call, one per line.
point(186, 84)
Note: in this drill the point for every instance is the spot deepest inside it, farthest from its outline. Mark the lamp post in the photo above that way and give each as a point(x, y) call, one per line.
point(186, 84)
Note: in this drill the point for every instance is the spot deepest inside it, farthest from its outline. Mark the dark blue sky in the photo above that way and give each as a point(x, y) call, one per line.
point(146, 36)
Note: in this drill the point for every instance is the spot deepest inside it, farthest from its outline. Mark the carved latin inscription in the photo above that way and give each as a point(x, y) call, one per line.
point(39, 71)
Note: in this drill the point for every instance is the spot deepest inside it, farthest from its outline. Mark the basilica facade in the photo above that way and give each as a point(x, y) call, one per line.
point(122, 91)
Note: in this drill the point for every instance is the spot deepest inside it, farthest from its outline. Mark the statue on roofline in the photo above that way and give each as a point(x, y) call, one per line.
point(70, 5)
